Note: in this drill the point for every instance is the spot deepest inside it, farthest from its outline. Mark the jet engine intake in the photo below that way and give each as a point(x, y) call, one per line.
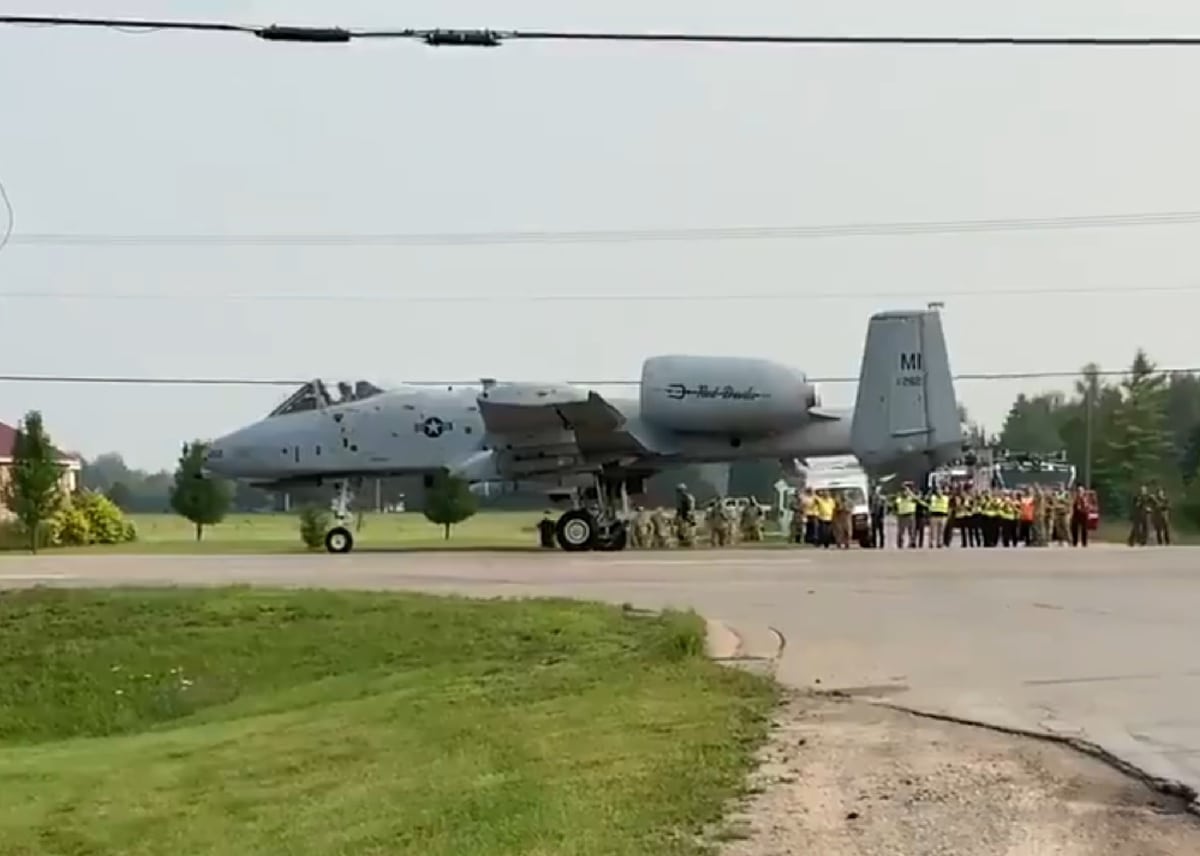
point(724, 395)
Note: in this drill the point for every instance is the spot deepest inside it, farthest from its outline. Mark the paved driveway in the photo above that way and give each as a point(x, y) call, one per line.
point(1098, 643)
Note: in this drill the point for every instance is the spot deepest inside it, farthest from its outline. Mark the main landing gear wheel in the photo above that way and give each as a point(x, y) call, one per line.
point(339, 540)
point(576, 531)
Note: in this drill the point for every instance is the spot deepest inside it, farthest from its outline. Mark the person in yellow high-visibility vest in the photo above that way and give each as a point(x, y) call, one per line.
point(825, 510)
point(808, 504)
point(939, 508)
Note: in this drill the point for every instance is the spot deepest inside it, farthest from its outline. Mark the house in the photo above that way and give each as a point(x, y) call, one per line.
point(72, 465)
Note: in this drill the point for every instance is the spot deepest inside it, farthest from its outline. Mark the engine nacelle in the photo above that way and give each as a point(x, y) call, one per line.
point(724, 395)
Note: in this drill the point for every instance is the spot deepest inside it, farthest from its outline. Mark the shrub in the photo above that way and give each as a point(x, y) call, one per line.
point(12, 536)
point(314, 523)
point(105, 520)
point(129, 532)
point(74, 529)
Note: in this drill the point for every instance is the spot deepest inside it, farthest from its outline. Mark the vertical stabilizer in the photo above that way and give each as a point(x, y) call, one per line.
point(906, 414)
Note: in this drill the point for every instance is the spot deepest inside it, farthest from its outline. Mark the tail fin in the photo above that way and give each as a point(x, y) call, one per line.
point(906, 415)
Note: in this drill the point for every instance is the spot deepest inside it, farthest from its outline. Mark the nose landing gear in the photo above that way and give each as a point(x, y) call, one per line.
point(339, 539)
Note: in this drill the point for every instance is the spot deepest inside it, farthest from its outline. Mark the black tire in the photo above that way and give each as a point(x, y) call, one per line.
point(615, 540)
point(339, 540)
point(576, 531)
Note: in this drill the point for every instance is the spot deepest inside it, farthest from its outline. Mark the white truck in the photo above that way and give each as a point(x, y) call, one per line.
point(842, 477)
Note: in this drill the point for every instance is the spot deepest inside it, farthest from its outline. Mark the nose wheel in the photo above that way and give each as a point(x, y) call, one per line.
point(339, 540)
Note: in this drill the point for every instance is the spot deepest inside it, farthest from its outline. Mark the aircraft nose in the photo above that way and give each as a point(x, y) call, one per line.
point(215, 456)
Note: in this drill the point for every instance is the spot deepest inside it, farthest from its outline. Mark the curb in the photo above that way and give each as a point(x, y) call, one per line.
point(745, 644)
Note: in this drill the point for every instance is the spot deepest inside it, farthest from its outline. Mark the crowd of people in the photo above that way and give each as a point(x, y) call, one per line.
point(1034, 516)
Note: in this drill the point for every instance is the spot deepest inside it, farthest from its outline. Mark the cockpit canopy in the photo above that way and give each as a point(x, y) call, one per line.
point(314, 395)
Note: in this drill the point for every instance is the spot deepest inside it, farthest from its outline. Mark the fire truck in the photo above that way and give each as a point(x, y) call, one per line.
point(1005, 469)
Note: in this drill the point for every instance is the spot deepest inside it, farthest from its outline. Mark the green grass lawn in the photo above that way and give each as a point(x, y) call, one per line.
point(274, 533)
point(239, 721)
point(280, 533)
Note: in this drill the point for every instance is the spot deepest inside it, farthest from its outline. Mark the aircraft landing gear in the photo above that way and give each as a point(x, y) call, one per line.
point(339, 539)
point(600, 527)
point(576, 530)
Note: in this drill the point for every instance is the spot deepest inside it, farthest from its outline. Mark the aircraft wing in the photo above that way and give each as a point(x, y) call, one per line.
point(545, 428)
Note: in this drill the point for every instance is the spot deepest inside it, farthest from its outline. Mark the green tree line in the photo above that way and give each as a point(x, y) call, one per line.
point(1142, 429)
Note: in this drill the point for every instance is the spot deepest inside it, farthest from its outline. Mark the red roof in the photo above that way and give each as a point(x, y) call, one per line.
point(8, 440)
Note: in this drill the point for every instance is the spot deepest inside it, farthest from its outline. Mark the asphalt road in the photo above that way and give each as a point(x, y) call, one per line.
point(1097, 643)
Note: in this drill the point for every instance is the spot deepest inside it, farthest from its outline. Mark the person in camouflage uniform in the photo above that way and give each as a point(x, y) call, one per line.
point(642, 529)
point(1160, 516)
point(1139, 517)
point(685, 516)
point(718, 524)
point(661, 529)
point(752, 521)
point(1039, 517)
point(799, 519)
point(1062, 517)
point(1048, 516)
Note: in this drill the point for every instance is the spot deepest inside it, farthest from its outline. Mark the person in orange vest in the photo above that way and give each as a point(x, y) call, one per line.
point(1026, 533)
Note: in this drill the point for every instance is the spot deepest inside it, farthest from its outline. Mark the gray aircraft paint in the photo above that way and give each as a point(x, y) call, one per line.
point(905, 418)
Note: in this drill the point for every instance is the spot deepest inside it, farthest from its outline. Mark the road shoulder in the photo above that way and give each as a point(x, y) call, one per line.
point(843, 777)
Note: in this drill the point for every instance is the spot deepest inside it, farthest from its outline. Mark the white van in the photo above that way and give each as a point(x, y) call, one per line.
point(844, 477)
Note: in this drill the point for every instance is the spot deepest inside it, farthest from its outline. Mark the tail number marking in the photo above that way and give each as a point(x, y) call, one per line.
point(911, 366)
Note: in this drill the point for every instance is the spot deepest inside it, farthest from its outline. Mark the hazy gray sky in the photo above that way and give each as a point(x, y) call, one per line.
point(110, 132)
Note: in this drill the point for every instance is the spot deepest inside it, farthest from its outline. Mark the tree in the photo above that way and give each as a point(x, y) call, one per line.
point(449, 501)
point(33, 492)
point(314, 523)
point(1137, 445)
point(203, 501)
point(1033, 424)
point(120, 495)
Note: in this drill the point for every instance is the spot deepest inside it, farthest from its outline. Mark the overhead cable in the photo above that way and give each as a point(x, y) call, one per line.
point(491, 38)
point(147, 380)
point(733, 296)
point(612, 236)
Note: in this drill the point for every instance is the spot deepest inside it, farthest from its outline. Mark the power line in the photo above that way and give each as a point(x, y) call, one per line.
point(733, 297)
point(145, 380)
point(610, 236)
point(493, 38)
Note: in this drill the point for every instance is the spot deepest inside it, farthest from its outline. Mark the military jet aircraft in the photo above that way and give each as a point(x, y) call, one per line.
point(689, 410)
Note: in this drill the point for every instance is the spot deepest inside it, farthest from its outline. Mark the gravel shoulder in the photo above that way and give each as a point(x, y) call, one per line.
point(842, 777)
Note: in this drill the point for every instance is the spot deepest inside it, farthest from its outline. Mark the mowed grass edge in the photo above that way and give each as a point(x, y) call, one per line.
point(239, 721)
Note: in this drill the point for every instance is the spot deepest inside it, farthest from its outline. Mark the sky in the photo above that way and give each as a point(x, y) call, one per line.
point(107, 132)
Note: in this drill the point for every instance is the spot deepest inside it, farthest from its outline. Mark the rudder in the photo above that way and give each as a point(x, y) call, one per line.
point(906, 412)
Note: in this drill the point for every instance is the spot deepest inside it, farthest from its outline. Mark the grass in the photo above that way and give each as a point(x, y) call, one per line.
point(239, 721)
point(280, 533)
point(491, 530)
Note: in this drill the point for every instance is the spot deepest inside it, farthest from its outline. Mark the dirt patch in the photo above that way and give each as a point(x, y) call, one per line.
point(842, 777)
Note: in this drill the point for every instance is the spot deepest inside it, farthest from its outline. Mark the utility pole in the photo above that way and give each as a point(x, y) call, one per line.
point(1088, 407)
